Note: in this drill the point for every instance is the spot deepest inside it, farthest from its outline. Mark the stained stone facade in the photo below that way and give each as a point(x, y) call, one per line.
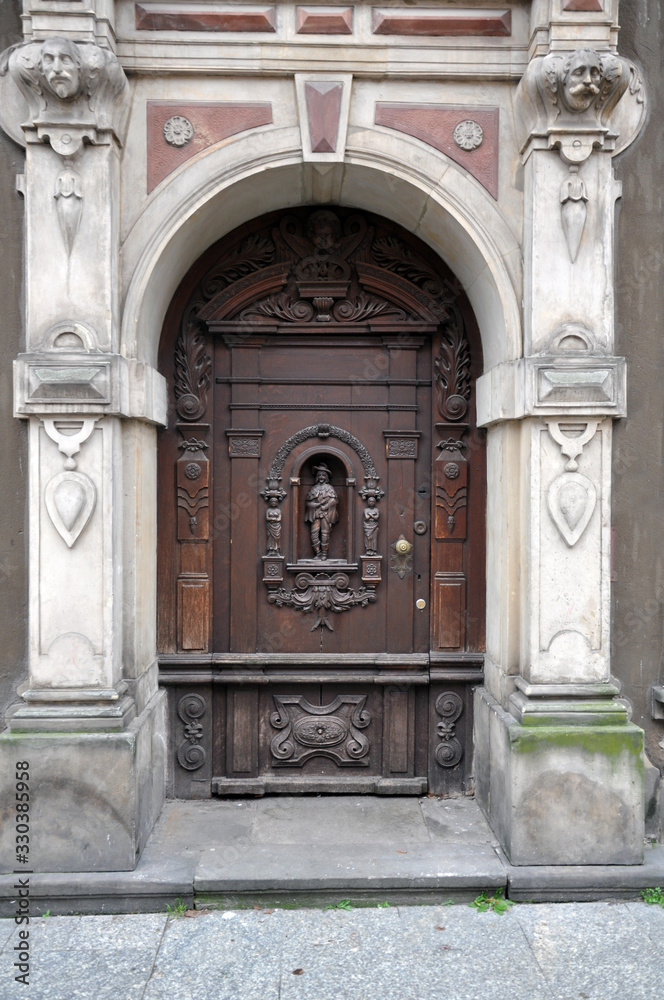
point(519, 142)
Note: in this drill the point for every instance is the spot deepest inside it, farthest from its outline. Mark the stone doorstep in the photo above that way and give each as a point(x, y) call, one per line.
point(288, 876)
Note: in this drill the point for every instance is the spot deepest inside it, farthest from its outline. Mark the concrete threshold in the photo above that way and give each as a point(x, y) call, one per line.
point(300, 851)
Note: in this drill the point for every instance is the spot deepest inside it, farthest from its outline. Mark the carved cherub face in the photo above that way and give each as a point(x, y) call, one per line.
point(273, 501)
point(60, 66)
point(582, 77)
point(371, 501)
point(323, 229)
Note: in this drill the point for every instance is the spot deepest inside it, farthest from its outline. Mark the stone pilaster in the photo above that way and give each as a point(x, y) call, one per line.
point(564, 784)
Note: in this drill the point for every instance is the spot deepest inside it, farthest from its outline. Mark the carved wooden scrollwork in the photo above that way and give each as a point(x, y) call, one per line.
point(322, 592)
point(321, 431)
point(452, 364)
point(449, 707)
point(190, 754)
point(192, 369)
point(331, 730)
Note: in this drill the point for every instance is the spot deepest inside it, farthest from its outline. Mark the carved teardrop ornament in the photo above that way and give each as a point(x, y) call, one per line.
point(70, 499)
point(571, 498)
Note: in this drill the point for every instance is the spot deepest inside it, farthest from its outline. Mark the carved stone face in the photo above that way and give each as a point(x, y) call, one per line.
point(60, 66)
point(581, 79)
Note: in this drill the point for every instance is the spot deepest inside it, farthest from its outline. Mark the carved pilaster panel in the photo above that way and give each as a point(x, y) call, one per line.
point(451, 483)
point(191, 727)
point(449, 611)
point(333, 730)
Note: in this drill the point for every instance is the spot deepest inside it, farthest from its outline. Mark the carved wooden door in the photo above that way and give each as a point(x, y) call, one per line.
point(321, 530)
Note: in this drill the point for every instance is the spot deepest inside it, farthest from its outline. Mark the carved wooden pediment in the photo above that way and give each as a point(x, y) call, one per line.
point(324, 268)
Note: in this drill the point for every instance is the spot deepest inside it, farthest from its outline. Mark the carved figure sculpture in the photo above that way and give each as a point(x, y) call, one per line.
point(60, 66)
point(74, 90)
point(273, 521)
point(371, 517)
point(324, 231)
point(322, 510)
point(581, 78)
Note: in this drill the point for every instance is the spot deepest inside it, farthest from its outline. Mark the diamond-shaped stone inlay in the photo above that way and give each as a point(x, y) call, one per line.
point(323, 111)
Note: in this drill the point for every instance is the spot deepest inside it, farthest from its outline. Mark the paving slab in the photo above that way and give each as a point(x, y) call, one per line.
point(100, 958)
point(348, 819)
point(225, 956)
point(599, 953)
point(455, 821)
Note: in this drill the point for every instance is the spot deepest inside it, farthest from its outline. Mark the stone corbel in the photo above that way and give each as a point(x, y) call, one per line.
point(568, 101)
point(87, 383)
point(552, 386)
point(76, 92)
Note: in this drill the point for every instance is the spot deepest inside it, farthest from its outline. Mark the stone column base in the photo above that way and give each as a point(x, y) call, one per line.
point(94, 796)
point(561, 792)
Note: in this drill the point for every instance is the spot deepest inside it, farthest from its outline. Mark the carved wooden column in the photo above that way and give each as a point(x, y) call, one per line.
point(91, 709)
point(564, 785)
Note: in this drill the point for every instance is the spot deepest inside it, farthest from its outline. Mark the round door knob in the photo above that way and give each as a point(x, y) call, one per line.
point(402, 546)
point(419, 527)
point(420, 604)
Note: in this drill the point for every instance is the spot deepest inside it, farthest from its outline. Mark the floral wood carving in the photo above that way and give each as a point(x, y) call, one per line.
point(192, 369)
point(321, 270)
point(322, 593)
point(322, 431)
point(449, 751)
point(331, 730)
point(253, 254)
point(452, 365)
point(190, 754)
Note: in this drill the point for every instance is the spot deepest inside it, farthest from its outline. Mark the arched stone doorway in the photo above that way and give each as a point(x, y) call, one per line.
point(321, 359)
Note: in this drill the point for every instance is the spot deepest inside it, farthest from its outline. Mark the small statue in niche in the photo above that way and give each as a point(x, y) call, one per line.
point(273, 523)
point(322, 510)
point(370, 525)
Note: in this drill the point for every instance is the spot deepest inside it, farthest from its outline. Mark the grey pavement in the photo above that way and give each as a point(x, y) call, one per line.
point(548, 951)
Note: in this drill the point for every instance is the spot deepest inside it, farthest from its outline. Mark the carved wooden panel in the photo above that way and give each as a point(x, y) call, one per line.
point(449, 611)
point(321, 356)
point(334, 730)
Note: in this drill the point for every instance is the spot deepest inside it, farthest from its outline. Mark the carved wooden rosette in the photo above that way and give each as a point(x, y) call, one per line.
point(331, 730)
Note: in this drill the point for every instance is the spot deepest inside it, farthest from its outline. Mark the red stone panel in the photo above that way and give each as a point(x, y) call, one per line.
point(583, 5)
point(158, 17)
point(425, 21)
point(324, 20)
point(212, 121)
point(435, 124)
point(323, 109)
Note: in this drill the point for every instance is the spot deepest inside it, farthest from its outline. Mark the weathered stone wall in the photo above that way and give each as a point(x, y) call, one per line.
point(13, 453)
point(638, 467)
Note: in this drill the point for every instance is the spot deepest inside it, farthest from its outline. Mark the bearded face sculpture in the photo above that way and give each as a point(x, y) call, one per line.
point(60, 65)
